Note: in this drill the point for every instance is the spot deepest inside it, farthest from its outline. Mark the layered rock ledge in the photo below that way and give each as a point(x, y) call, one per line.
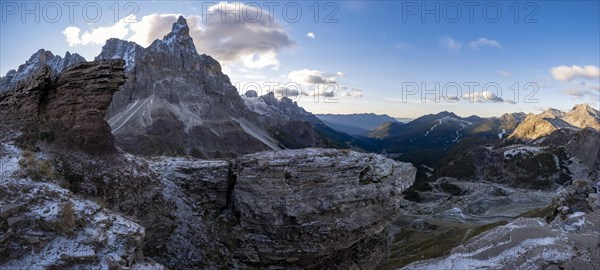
point(309, 208)
point(68, 107)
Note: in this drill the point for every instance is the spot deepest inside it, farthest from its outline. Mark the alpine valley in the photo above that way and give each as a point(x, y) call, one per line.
point(149, 158)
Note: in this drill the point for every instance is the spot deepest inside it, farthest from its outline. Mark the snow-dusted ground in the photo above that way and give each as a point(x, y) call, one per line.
point(501, 134)
point(522, 150)
point(98, 236)
point(431, 129)
point(528, 243)
point(9, 160)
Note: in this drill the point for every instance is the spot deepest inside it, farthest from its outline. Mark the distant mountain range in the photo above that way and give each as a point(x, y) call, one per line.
point(356, 124)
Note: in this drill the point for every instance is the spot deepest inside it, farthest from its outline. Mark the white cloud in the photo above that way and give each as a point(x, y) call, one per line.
point(328, 83)
point(97, 36)
point(566, 73)
point(310, 77)
point(485, 96)
point(253, 44)
point(481, 42)
point(451, 44)
point(354, 92)
point(156, 26)
point(310, 35)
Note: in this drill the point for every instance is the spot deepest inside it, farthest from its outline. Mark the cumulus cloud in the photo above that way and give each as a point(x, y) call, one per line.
point(328, 83)
point(310, 35)
point(451, 44)
point(97, 36)
point(156, 26)
point(253, 43)
point(485, 97)
point(484, 42)
point(257, 42)
point(566, 73)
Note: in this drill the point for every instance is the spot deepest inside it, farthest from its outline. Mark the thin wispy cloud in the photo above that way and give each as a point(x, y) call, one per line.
point(402, 45)
point(484, 42)
point(451, 44)
point(504, 73)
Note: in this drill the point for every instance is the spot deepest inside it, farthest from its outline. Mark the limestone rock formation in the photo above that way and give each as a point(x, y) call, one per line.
point(68, 107)
point(309, 208)
point(291, 125)
point(533, 127)
point(177, 102)
point(583, 116)
point(38, 60)
point(44, 226)
point(541, 125)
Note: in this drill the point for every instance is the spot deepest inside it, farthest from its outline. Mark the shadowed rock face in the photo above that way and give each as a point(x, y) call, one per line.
point(307, 207)
point(310, 208)
point(37, 61)
point(69, 107)
point(177, 102)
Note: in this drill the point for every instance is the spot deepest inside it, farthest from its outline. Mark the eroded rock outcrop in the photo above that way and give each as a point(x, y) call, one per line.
point(310, 208)
point(69, 107)
point(43, 226)
point(313, 207)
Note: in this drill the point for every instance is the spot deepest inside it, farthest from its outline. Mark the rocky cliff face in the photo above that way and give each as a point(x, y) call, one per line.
point(47, 227)
point(583, 116)
point(533, 127)
point(37, 61)
point(309, 208)
point(291, 125)
point(177, 102)
point(68, 107)
point(550, 120)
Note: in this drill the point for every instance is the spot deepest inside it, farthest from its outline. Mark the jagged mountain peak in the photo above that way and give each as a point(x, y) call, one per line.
point(181, 26)
point(583, 116)
point(552, 113)
point(178, 40)
point(584, 108)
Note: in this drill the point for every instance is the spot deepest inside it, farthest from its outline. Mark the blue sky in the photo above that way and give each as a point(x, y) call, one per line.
point(371, 49)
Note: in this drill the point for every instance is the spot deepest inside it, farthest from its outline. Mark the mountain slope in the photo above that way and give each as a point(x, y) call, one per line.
point(550, 120)
point(291, 125)
point(496, 127)
point(583, 116)
point(177, 102)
